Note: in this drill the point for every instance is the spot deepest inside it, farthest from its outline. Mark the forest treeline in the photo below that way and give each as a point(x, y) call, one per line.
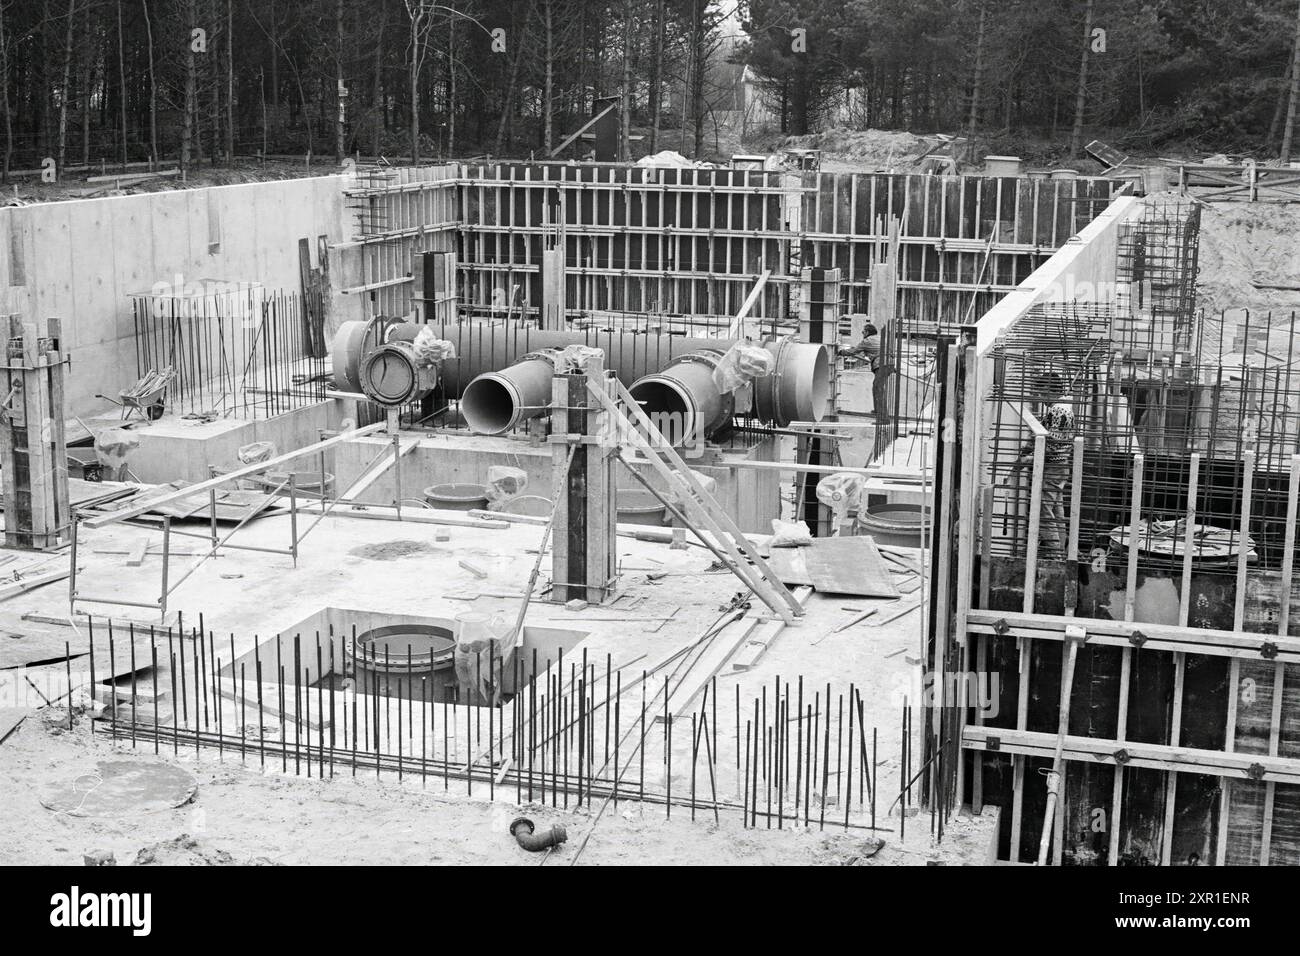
point(202, 81)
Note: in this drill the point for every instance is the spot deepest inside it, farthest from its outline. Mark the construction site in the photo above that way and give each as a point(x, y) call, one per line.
point(555, 513)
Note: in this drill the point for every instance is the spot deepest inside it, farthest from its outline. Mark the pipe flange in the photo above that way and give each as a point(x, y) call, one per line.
point(549, 356)
point(707, 357)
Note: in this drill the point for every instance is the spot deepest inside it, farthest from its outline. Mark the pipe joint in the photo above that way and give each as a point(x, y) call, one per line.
point(528, 837)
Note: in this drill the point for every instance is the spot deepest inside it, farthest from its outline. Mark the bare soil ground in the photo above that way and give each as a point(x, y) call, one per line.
point(76, 185)
point(242, 815)
point(1247, 249)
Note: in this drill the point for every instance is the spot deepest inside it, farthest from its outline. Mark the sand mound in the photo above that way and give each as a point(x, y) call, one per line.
point(868, 148)
point(185, 850)
point(1245, 249)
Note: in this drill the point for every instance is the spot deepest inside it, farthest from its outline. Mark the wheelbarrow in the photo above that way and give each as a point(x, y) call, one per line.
point(147, 396)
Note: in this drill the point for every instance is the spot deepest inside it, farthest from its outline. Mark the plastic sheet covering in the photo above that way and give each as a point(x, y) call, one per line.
point(484, 646)
point(841, 493)
point(576, 356)
point(112, 448)
point(790, 534)
point(708, 484)
point(256, 452)
point(741, 365)
point(504, 484)
point(432, 349)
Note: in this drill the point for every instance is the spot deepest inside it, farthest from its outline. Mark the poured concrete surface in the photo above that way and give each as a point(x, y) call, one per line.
point(389, 570)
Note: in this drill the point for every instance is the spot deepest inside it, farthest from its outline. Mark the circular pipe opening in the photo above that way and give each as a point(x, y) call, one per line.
point(490, 405)
point(820, 393)
point(385, 649)
point(668, 406)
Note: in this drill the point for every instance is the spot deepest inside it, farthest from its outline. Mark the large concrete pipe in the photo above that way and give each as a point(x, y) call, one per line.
point(682, 401)
point(799, 389)
point(495, 402)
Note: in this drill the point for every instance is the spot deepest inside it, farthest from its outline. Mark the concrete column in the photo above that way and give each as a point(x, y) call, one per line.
point(583, 558)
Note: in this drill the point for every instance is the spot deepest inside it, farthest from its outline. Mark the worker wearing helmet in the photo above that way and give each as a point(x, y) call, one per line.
point(1056, 415)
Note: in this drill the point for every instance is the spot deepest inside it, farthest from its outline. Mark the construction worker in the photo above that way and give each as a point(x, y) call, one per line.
point(1056, 415)
point(870, 349)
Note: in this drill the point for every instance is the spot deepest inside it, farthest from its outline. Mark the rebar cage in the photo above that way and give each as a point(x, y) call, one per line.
point(233, 349)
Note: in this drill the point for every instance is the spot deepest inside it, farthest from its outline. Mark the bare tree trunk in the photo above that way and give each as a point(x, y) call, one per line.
point(63, 90)
point(87, 81)
point(153, 88)
point(548, 95)
point(1081, 94)
point(275, 66)
point(377, 92)
point(699, 56)
point(121, 82)
point(416, 19)
point(230, 82)
point(1279, 109)
point(625, 137)
point(339, 119)
point(451, 87)
point(1288, 131)
point(655, 104)
point(4, 98)
point(509, 106)
point(973, 121)
point(187, 123)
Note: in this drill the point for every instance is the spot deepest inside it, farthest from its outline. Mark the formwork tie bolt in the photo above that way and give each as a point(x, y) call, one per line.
point(1268, 650)
point(1137, 638)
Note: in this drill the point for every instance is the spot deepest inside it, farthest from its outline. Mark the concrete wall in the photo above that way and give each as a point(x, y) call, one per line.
point(752, 498)
point(81, 260)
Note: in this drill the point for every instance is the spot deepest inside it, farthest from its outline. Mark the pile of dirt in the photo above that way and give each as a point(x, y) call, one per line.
point(1246, 251)
point(185, 850)
point(391, 550)
point(867, 149)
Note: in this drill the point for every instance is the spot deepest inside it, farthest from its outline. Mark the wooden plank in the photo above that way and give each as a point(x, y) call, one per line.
point(31, 583)
point(1195, 640)
point(1247, 484)
point(710, 661)
point(1035, 521)
point(1102, 751)
point(762, 579)
point(1189, 532)
point(378, 470)
point(10, 719)
point(1134, 518)
point(847, 566)
point(1288, 545)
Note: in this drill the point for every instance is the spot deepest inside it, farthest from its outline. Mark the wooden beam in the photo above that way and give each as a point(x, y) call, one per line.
point(1134, 519)
point(1288, 545)
point(1035, 522)
point(1189, 529)
point(1245, 645)
point(737, 328)
point(1098, 750)
point(1247, 484)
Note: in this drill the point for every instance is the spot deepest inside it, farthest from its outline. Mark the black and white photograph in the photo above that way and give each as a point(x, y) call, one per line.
point(650, 433)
